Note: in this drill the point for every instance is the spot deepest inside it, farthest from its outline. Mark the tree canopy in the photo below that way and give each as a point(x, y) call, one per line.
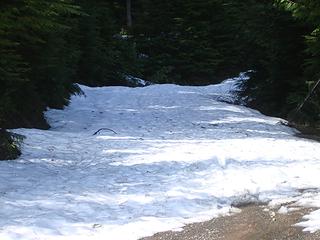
point(47, 46)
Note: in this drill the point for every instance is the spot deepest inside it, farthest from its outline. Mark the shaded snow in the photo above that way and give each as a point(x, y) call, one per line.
point(179, 156)
point(136, 82)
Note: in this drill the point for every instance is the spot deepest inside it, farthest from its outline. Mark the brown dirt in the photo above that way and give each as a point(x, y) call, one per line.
point(252, 223)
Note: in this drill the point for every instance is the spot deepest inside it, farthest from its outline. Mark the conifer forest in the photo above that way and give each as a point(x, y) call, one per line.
point(48, 45)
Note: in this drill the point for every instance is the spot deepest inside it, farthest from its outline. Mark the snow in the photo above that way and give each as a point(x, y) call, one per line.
point(178, 156)
point(136, 82)
point(283, 210)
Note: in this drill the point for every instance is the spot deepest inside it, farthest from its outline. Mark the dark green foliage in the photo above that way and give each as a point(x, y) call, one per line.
point(275, 55)
point(309, 12)
point(97, 60)
point(106, 57)
point(35, 65)
point(186, 42)
point(289, 60)
point(48, 45)
point(9, 145)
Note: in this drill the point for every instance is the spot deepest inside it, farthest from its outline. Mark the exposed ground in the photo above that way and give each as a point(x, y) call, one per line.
point(254, 222)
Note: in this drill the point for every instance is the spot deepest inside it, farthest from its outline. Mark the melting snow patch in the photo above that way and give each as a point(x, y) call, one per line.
point(178, 156)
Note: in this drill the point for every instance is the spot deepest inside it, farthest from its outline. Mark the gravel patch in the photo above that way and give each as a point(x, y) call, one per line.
point(254, 222)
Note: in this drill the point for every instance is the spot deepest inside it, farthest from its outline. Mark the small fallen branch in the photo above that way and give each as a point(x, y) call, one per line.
point(310, 94)
point(101, 129)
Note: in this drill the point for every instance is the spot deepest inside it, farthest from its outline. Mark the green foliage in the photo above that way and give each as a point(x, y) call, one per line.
point(106, 57)
point(307, 12)
point(187, 42)
point(48, 45)
point(34, 66)
point(276, 54)
point(9, 145)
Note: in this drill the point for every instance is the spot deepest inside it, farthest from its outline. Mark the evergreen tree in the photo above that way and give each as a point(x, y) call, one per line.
point(32, 60)
point(106, 56)
point(48, 45)
point(309, 12)
point(274, 43)
point(187, 42)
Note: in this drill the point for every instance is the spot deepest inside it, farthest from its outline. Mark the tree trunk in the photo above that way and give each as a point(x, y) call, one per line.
point(309, 95)
point(129, 15)
point(311, 92)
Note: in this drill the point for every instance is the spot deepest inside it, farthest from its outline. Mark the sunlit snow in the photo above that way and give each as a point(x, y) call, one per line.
point(178, 156)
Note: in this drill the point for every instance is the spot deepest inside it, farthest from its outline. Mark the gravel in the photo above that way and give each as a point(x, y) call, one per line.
point(254, 222)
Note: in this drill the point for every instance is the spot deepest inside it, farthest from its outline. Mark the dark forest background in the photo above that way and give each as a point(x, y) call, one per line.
point(48, 45)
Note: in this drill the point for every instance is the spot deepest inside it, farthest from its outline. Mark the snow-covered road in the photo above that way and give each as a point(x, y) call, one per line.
point(179, 156)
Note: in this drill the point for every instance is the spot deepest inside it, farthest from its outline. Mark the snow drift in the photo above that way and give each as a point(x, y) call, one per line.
point(177, 155)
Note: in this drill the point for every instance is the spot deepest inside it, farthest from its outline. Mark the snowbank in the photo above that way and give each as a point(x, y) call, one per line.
point(179, 156)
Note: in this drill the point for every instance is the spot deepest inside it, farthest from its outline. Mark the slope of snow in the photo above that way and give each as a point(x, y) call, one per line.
point(179, 156)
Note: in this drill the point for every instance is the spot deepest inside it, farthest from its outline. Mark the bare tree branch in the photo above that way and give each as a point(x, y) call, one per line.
point(101, 129)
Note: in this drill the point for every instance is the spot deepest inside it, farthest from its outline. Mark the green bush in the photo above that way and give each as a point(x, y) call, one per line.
point(9, 145)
